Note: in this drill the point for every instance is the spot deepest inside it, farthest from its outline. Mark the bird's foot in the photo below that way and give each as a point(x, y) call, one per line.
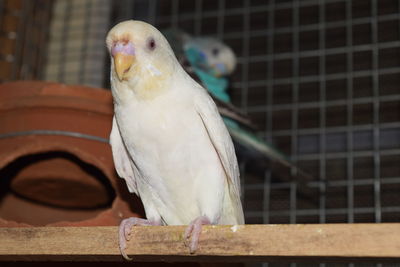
point(193, 232)
point(125, 232)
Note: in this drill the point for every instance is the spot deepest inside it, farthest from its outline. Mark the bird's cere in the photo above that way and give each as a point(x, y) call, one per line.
point(124, 55)
point(124, 48)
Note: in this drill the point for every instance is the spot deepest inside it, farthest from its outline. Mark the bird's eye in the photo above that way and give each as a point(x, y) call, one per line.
point(151, 44)
point(215, 52)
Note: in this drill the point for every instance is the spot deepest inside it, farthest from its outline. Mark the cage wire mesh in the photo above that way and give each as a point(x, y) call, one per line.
point(23, 35)
point(319, 78)
point(76, 53)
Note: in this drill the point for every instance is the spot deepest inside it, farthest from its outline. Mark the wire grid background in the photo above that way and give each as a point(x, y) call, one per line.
point(22, 38)
point(76, 42)
point(319, 78)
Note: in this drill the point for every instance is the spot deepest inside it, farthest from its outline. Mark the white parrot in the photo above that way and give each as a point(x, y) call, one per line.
point(168, 140)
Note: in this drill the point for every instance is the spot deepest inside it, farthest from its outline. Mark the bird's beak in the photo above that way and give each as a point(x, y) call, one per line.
point(219, 70)
point(123, 63)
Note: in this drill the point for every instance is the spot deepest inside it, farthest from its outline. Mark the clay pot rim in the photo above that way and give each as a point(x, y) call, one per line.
point(54, 95)
point(58, 103)
point(45, 88)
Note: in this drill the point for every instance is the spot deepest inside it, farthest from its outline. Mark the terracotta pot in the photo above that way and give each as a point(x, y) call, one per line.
point(56, 165)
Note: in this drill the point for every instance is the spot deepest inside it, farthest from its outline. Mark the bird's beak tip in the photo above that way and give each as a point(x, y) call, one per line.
point(123, 63)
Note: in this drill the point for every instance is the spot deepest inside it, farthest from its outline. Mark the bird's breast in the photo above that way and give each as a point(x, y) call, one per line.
point(171, 147)
point(164, 132)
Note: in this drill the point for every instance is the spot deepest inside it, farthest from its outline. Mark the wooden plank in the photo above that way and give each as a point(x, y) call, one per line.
point(312, 242)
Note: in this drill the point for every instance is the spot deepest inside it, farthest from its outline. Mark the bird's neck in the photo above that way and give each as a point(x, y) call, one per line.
point(149, 88)
point(144, 89)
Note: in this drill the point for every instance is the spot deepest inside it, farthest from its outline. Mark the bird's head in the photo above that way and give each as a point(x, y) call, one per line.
point(141, 57)
point(211, 55)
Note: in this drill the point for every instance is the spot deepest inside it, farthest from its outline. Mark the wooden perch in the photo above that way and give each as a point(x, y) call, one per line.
point(313, 242)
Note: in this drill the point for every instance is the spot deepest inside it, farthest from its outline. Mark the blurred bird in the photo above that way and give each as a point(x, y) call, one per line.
point(168, 141)
point(210, 61)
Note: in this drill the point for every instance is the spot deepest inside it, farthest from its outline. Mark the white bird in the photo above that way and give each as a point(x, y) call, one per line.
point(168, 140)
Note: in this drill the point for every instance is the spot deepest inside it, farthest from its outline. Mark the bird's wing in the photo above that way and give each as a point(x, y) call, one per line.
point(225, 109)
point(223, 145)
point(230, 111)
point(123, 163)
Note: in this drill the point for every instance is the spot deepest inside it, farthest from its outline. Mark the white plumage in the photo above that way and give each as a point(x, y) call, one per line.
point(168, 140)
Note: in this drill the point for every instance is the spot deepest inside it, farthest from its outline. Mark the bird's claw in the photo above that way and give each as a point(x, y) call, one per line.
point(125, 229)
point(193, 232)
point(188, 233)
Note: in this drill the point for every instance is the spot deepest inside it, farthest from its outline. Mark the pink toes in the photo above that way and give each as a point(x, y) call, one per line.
point(191, 236)
point(193, 232)
point(125, 232)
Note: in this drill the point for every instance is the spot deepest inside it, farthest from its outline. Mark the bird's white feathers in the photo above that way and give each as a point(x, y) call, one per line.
point(218, 133)
point(169, 142)
point(123, 162)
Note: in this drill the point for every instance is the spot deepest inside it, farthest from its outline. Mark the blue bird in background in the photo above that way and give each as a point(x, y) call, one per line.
point(210, 61)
